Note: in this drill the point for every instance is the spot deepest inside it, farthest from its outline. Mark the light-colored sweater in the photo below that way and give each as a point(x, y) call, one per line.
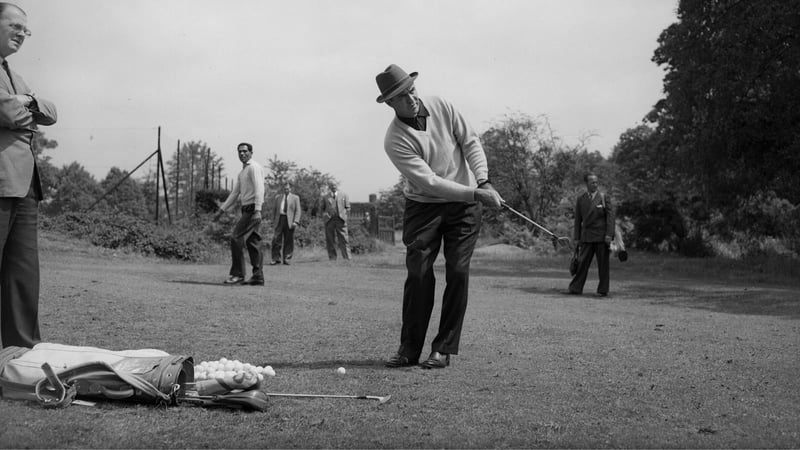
point(248, 188)
point(442, 163)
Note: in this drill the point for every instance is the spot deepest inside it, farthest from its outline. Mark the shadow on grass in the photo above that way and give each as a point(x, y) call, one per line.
point(203, 283)
point(779, 302)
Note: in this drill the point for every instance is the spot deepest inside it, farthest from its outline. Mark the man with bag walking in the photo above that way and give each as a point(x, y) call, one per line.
point(593, 232)
point(248, 191)
point(21, 113)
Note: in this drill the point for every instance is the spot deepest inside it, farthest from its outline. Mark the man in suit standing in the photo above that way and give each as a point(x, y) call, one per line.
point(335, 208)
point(21, 112)
point(593, 231)
point(286, 214)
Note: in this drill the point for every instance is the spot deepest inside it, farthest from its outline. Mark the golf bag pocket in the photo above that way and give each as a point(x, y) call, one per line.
point(55, 374)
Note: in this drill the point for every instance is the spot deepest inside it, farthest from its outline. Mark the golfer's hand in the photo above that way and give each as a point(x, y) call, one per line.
point(293, 226)
point(255, 221)
point(608, 240)
point(489, 196)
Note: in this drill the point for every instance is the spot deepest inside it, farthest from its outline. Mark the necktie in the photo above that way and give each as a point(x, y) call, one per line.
point(10, 78)
point(336, 202)
point(283, 203)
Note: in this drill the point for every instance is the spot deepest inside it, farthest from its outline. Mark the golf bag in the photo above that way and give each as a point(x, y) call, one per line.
point(54, 375)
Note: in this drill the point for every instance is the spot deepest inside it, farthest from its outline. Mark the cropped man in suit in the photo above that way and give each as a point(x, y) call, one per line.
point(335, 208)
point(286, 214)
point(593, 231)
point(21, 112)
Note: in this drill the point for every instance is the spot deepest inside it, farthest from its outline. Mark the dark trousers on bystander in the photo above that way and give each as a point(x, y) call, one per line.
point(19, 271)
point(587, 252)
point(246, 235)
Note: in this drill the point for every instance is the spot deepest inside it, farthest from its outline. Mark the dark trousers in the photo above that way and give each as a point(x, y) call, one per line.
point(246, 235)
point(587, 252)
point(19, 271)
point(283, 240)
point(336, 229)
point(425, 227)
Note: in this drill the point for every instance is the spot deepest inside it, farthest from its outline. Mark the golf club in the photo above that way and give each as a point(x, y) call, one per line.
point(360, 397)
point(564, 241)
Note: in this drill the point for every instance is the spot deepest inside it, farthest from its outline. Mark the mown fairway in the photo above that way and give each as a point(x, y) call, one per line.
point(673, 358)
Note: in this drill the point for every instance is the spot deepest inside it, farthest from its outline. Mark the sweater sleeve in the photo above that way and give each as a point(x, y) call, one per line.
point(258, 185)
point(418, 173)
point(470, 144)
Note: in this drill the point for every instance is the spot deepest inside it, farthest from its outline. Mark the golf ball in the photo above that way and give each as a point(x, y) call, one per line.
point(340, 371)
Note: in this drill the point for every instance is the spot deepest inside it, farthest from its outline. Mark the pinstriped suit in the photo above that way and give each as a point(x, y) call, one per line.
point(20, 192)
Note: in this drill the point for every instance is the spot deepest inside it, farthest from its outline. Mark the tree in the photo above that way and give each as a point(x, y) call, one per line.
point(729, 123)
point(392, 201)
point(309, 184)
point(530, 166)
point(47, 172)
point(75, 190)
point(200, 169)
point(127, 197)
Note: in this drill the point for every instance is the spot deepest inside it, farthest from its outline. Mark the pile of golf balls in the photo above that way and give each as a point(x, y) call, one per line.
point(231, 370)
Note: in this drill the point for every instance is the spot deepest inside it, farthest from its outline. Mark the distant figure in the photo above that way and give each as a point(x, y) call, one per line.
point(286, 214)
point(447, 180)
point(335, 209)
point(248, 191)
point(593, 231)
point(21, 112)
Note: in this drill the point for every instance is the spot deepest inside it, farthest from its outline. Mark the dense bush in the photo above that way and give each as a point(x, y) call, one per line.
point(125, 232)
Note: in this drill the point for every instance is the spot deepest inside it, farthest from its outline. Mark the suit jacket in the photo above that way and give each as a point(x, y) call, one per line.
point(18, 127)
point(594, 219)
point(329, 206)
point(293, 210)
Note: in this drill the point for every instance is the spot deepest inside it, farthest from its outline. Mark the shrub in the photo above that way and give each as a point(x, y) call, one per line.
point(126, 232)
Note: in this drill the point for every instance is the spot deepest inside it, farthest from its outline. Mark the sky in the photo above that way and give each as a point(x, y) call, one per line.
point(297, 78)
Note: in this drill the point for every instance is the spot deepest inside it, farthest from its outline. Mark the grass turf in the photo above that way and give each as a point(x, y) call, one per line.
point(675, 357)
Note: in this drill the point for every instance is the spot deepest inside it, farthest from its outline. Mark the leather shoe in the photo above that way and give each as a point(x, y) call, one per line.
point(571, 293)
point(436, 360)
point(286, 263)
point(255, 282)
point(398, 360)
point(234, 280)
point(601, 294)
point(274, 263)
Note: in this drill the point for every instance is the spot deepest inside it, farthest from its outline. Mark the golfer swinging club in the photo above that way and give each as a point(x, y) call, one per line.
point(447, 180)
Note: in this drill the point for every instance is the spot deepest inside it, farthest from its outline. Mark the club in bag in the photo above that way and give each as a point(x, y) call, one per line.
point(563, 241)
point(381, 400)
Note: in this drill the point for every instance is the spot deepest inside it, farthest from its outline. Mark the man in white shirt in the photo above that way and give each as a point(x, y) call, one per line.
point(248, 191)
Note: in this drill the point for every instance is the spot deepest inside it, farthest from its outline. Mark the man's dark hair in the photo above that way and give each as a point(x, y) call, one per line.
point(589, 174)
point(249, 146)
point(6, 5)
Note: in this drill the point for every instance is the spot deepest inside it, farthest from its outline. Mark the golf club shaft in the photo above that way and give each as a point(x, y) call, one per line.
point(505, 205)
point(360, 397)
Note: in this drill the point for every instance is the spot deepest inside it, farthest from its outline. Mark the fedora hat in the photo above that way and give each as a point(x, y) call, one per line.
point(392, 81)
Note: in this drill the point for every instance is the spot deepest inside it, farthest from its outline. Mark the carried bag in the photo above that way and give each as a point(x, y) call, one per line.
point(55, 374)
point(575, 261)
